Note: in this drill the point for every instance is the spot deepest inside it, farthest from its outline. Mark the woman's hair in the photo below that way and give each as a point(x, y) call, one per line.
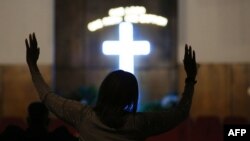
point(118, 95)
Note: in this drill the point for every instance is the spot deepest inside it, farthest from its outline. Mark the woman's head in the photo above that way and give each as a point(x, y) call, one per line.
point(118, 92)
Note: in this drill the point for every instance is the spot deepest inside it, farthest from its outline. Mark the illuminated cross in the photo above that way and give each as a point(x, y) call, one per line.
point(126, 47)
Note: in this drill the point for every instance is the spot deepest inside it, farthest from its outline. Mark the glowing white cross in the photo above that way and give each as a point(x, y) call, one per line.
point(126, 47)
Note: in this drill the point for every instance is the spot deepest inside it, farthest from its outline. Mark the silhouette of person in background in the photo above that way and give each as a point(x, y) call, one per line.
point(38, 121)
point(115, 115)
point(12, 133)
point(61, 133)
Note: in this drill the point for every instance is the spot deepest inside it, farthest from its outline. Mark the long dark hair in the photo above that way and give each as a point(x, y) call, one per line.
point(118, 96)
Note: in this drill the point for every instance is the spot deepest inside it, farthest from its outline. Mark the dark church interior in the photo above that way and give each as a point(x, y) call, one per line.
point(71, 34)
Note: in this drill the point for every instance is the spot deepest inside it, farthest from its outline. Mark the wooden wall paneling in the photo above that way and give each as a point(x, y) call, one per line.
point(154, 84)
point(220, 90)
point(68, 80)
point(240, 100)
point(95, 77)
point(1, 91)
point(69, 47)
point(215, 88)
point(78, 48)
point(211, 91)
point(18, 89)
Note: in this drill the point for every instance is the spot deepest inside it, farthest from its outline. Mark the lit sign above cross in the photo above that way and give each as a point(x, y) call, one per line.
point(126, 47)
point(132, 14)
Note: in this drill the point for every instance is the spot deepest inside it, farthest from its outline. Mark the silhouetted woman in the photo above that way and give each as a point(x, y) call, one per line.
point(114, 118)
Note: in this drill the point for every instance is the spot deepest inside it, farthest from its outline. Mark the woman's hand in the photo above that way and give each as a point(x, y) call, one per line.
point(32, 51)
point(190, 63)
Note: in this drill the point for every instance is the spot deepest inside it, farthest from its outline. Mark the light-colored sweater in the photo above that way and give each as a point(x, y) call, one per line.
point(137, 127)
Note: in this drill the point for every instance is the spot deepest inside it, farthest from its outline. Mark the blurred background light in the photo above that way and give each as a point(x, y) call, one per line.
point(132, 14)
